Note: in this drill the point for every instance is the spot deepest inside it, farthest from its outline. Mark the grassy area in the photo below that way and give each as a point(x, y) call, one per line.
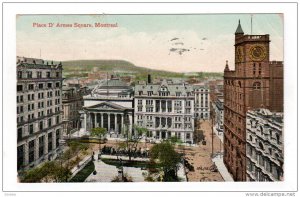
point(84, 173)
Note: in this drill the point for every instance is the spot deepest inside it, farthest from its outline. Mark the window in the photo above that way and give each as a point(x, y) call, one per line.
point(49, 85)
point(254, 68)
point(256, 85)
point(20, 155)
point(49, 142)
point(19, 88)
point(49, 122)
point(41, 86)
point(150, 93)
point(57, 119)
point(178, 93)
point(30, 87)
point(29, 74)
point(57, 74)
point(20, 134)
point(140, 92)
point(31, 151)
point(41, 146)
point(48, 75)
point(57, 84)
point(20, 75)
point(28, 97)
point(39, 74)
point(41, 125)
point(259, 68)
point(21, 109)
point(31, 129)
point(21, 98)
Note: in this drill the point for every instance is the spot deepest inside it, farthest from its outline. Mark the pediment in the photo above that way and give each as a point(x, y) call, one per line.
point(106, 106)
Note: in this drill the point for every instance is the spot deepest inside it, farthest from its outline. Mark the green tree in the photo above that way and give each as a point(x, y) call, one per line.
point(51, 171)
point(132, 141)
point(165, 155)
point(98, 132)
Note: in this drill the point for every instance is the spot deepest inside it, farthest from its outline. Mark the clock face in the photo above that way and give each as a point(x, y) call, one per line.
point(239, 54)
point(258, 53)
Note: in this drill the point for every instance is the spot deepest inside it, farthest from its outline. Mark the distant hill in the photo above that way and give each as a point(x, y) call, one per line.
point(81, 68)
point(102, 65)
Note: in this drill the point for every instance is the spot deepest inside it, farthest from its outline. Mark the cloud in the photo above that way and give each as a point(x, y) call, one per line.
point(145, 49)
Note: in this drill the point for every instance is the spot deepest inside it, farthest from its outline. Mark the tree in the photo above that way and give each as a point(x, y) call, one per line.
point(132, 141)
point(165, 155)
point(51, 171)
point(98, 132)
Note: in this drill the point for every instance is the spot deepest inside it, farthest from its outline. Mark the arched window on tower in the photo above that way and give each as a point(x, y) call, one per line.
point(256, 85)
point(254, 68)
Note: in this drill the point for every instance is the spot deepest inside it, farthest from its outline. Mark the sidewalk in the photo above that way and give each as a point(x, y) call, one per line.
point(221, 134)
point(218, 160)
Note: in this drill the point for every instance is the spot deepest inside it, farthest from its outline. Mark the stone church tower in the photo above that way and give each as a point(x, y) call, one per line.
point(255, 83)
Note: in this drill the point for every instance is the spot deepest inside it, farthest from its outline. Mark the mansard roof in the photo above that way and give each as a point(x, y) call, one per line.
point(170, 87)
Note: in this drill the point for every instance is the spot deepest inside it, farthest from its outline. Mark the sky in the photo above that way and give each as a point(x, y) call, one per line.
point(180, 43)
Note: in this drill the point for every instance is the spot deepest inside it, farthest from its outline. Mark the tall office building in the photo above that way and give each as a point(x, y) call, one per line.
point(256, 82)
point(39, 125)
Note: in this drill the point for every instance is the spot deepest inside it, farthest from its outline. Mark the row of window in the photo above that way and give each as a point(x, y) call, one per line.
point(31, 129)
point(37, 74)
point(41, 147)
point(39, 87)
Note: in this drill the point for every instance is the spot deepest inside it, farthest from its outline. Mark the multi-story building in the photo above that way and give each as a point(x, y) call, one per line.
point(202, 101)
point(264, 149)
point(72, 103)
point(165, 108)
point(219, 113)
point(256, 82)
point(39, 125)
point(110, 106)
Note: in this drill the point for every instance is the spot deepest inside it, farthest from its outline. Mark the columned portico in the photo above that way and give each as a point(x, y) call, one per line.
point(109, 116)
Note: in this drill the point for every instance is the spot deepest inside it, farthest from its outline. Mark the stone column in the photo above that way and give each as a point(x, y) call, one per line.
point(160, 107)
point(46, 143)
point(95, 118)
point(130, 124)
point(84, 120)
point(54, 139)
point(108, 122)
point(116, 117)
point(36, 149)
point(26, 154)
point(101, 116)
point(122, 123)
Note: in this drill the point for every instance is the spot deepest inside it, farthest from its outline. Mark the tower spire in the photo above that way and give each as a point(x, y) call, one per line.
point(226, 66)
point(239, 29)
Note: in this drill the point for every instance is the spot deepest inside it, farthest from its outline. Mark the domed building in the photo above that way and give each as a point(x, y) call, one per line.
point(110, 106)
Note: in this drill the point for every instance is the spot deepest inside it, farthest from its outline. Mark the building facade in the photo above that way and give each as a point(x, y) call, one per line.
point(39, 117)
point(219, 113)
point(202, 101)
point(165, 108)
point(256, 82)
point(110, 106)
point(264, 149)
point(72, 103)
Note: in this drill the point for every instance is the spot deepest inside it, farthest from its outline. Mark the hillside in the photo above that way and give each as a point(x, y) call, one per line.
point(81, 68)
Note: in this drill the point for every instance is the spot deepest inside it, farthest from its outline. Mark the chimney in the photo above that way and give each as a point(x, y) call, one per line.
point(149, 78)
